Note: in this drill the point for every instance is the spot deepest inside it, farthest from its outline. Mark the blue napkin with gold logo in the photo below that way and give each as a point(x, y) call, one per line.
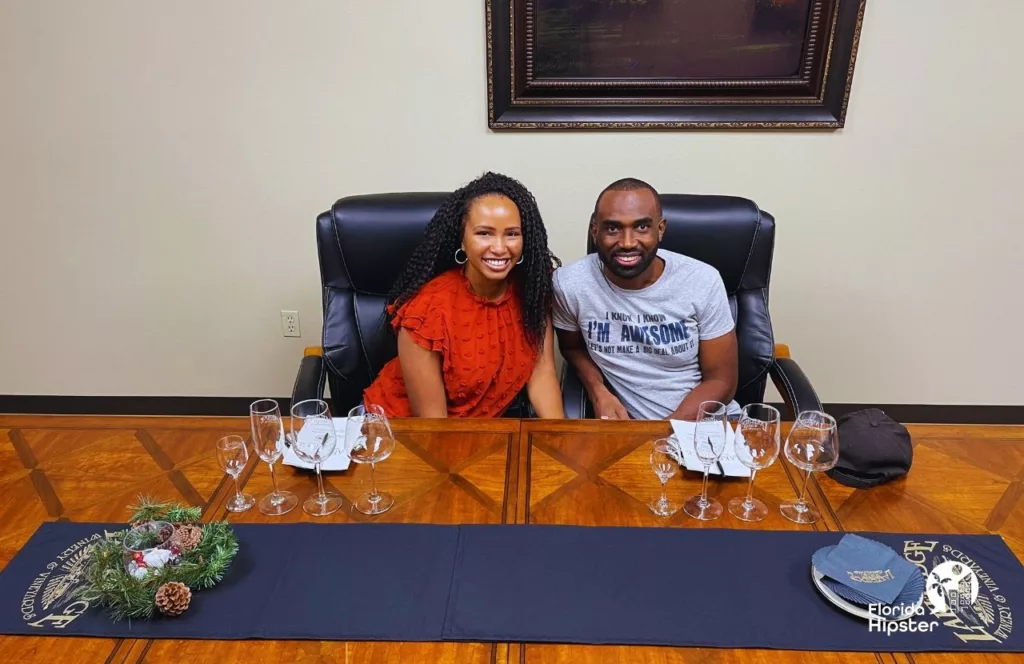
point(871, 568)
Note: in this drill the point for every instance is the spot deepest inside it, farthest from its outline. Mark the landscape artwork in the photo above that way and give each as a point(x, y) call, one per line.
point(683, 39)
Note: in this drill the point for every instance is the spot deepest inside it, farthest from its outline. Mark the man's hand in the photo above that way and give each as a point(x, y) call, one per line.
point(574, 350)
point(608, 407)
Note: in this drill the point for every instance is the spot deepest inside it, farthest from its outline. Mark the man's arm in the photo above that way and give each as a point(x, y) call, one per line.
point(719, 367)
point(421, 370)
point(543, 389)
point(574, 350)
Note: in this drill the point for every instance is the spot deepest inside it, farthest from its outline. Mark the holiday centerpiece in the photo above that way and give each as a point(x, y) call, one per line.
point(158, 563)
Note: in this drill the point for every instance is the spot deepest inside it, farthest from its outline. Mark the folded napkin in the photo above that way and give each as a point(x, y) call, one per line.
point(869, 567)
point(339, 459)
point(729, 463)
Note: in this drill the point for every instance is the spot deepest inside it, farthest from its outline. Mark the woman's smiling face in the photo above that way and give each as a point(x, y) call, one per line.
point(492, 237)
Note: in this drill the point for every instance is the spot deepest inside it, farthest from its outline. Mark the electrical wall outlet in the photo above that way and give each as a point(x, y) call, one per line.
point(290, 324)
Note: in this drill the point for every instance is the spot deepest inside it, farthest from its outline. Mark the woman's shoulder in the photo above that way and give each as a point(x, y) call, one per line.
point(446, 283)
point(433, 298)
point(439, 291)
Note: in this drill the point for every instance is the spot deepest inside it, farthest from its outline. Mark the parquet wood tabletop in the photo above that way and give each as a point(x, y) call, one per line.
point(965, 479)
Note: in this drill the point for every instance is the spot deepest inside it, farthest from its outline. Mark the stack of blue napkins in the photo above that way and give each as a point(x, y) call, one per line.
point(867, 572)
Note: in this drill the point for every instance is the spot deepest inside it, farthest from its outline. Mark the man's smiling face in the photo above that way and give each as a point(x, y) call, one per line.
point(626, 229)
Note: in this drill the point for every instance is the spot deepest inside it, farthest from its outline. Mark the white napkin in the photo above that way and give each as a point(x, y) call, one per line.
point(729, 460)
point(338, 460)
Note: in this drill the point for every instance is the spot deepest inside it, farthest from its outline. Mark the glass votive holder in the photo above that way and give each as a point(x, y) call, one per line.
point(148, 547)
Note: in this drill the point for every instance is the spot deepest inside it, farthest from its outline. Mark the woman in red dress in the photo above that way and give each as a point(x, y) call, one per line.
point(472, 311)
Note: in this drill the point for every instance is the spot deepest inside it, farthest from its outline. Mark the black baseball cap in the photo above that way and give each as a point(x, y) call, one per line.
point(873, 449)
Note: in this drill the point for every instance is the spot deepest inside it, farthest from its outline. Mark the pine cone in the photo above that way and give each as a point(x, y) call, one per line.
point(173, 598)
point(187, 537)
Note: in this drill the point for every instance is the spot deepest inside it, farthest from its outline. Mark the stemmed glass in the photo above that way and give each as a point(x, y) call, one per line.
point(757, 447)
point(812, 444)
point(709, 436)
point(664, 464)
point(268, 440)
point(369, 440)
point(232, 455)
point(313, 439)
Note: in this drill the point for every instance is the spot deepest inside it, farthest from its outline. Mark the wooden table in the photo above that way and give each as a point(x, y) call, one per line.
point(964, 480)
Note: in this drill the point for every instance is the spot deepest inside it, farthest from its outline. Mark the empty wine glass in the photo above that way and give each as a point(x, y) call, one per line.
point(664, 464)
point(757, 447)
point(268, 441)
point(313, 439)
point(369, 440)
point(232, 455)
point(709, 436)
point(812, 444)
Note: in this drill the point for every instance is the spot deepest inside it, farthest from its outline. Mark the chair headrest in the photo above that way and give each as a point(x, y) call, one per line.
point(365, 241)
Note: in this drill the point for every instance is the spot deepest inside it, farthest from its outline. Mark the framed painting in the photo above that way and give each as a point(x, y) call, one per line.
point(670, 64)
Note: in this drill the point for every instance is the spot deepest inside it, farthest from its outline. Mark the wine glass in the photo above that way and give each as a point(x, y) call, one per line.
point(369, 440)
point(757, 447)
point(313, 439)
point(232, 455)
point(709, 436)
point(664, 464)
point(812, 444)
point(268, 441)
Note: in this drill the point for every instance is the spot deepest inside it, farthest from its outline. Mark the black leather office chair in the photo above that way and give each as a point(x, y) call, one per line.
point(363, 242)
point(736, 237)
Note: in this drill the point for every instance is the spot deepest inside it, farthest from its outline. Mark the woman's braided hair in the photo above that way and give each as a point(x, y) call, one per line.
point(443, 236)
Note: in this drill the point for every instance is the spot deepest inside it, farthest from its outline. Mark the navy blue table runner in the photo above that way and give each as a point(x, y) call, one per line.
point(688, 587)
point(517, 583)
point(289, 581)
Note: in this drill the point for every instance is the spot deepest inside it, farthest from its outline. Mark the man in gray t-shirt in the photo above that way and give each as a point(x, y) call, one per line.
point(654, 324)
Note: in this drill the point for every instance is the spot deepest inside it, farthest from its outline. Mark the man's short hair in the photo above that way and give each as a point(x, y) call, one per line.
point(627, 184)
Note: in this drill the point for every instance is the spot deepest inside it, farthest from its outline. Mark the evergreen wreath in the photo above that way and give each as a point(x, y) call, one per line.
point(205, 552)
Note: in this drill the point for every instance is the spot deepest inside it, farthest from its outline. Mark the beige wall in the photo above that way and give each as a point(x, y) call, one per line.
point(161, 165)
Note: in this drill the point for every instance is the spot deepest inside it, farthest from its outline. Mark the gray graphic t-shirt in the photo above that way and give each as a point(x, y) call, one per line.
point(645, 341)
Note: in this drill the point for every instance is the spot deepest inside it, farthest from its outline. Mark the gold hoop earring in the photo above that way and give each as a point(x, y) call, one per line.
point(464, 260)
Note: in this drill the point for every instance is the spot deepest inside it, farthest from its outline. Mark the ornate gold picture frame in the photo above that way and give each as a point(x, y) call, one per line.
point(670, 64)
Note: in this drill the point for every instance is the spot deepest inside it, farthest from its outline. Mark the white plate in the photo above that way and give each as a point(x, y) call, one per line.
point(339, 460)
point(859, 611)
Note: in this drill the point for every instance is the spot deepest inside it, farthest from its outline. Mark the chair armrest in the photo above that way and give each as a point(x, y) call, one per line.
point(309, 381)
point(574, 396)
point(793, 384)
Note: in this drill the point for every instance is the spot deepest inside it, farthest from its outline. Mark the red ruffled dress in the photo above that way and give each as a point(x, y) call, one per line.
point(486, 359)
